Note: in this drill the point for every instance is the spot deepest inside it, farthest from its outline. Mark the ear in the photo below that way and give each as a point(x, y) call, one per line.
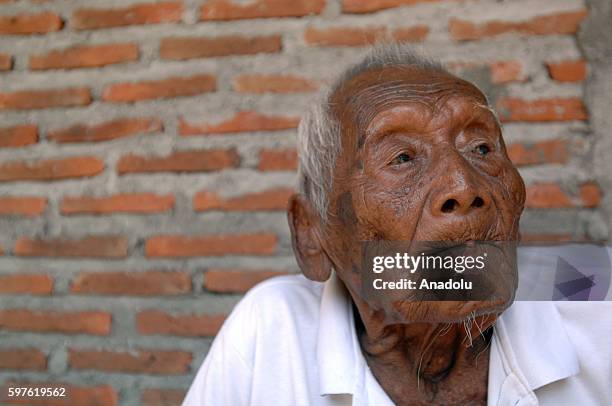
point(304, 224)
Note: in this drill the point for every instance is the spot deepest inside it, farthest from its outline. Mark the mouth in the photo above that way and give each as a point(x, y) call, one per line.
point(455, 247)
point(438, 248)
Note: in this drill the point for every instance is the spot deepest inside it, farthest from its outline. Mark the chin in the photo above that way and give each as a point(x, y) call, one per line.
point(405, 312)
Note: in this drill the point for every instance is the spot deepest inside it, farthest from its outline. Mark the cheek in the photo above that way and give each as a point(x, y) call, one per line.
point(346, 210)
point(389, 212)
point(514, 188)
point(509, 199)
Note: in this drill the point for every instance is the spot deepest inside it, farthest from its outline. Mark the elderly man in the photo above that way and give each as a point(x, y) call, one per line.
point(401, 150)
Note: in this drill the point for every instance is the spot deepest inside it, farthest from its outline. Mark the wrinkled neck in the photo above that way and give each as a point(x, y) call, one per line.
point(430, 350)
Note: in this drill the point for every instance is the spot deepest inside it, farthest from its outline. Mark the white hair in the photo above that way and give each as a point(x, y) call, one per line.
point(319, 131)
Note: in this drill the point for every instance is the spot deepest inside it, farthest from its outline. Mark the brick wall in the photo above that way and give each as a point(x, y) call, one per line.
point(147, 152)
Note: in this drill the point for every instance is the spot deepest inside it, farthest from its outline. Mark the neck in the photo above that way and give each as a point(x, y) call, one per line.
point(427, 361)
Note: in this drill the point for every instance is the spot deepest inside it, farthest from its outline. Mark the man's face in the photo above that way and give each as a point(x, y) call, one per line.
point(422, 159)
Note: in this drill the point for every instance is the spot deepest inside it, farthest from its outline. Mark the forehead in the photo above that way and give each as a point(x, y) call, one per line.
point(371, 92)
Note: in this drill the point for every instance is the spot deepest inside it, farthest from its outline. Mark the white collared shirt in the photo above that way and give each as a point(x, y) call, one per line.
point(291, 341)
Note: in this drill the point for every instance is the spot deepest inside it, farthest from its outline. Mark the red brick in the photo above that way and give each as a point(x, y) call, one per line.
point(543, 152)
point(132, 283)
point(159, 89)
point(181, 161)
point(568, 71)
point(31, 284)
point(541, 110)
point(540, 238)
point(151, 322)
point(507, 71)
point(82, 322)
point(75, 395)
point(590, 194)
point(90, 247)
point(6, 62)
point(560, 23)
point(109, 130)
point(207, 201)
point(278, 160)
point(140, 361)
point(272, 199)
point(243, 121)
point(179, 48)
point(176, 246)
point(274, 83)
point(140, 203)
point(415, 33)
point(85, 56)
point(368, 6)
point(547, 196)
point(29, 206)
point(162, 397)
point(230, 10)
point(23, 358)
point(42, 99)
point(236, 280)
point(51, 169)
point(26, 24)
point(344, 36)
point(93, 395)
point(144, 13)
point(18, 136)
point(500, 71)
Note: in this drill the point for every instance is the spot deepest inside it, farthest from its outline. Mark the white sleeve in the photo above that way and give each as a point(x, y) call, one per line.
point(225, 377)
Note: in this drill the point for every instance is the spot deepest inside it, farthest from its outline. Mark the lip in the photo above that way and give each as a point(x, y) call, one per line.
point(480, 226)
point(440, 247)
point(447, 246)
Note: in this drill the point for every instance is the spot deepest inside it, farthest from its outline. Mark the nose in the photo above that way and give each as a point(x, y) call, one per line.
point(464, 197)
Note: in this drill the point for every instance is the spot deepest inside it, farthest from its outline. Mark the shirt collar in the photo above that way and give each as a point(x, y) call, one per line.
point(533, 342)
point(336, 342)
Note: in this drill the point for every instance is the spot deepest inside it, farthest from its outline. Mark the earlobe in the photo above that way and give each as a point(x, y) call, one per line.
point(305, 239)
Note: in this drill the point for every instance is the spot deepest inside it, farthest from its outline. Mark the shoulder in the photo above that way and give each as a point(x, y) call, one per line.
point(592, 317)
point(270, 310)
point(268, 338)
point(281, 297)
point(286, 288)
point(588, 321)
point(540, 329)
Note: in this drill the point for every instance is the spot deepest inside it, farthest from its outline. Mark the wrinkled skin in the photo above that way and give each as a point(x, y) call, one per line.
point(422, 159)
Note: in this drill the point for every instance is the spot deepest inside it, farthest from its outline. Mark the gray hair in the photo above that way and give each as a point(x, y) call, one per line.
point(319, 132)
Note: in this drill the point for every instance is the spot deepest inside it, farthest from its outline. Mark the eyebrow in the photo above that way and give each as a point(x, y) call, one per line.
point(486, 112)
point(490, 110)
point(374, 129)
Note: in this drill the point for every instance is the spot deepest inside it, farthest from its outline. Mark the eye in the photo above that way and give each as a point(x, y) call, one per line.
point(401, 159)
point(482, 149)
